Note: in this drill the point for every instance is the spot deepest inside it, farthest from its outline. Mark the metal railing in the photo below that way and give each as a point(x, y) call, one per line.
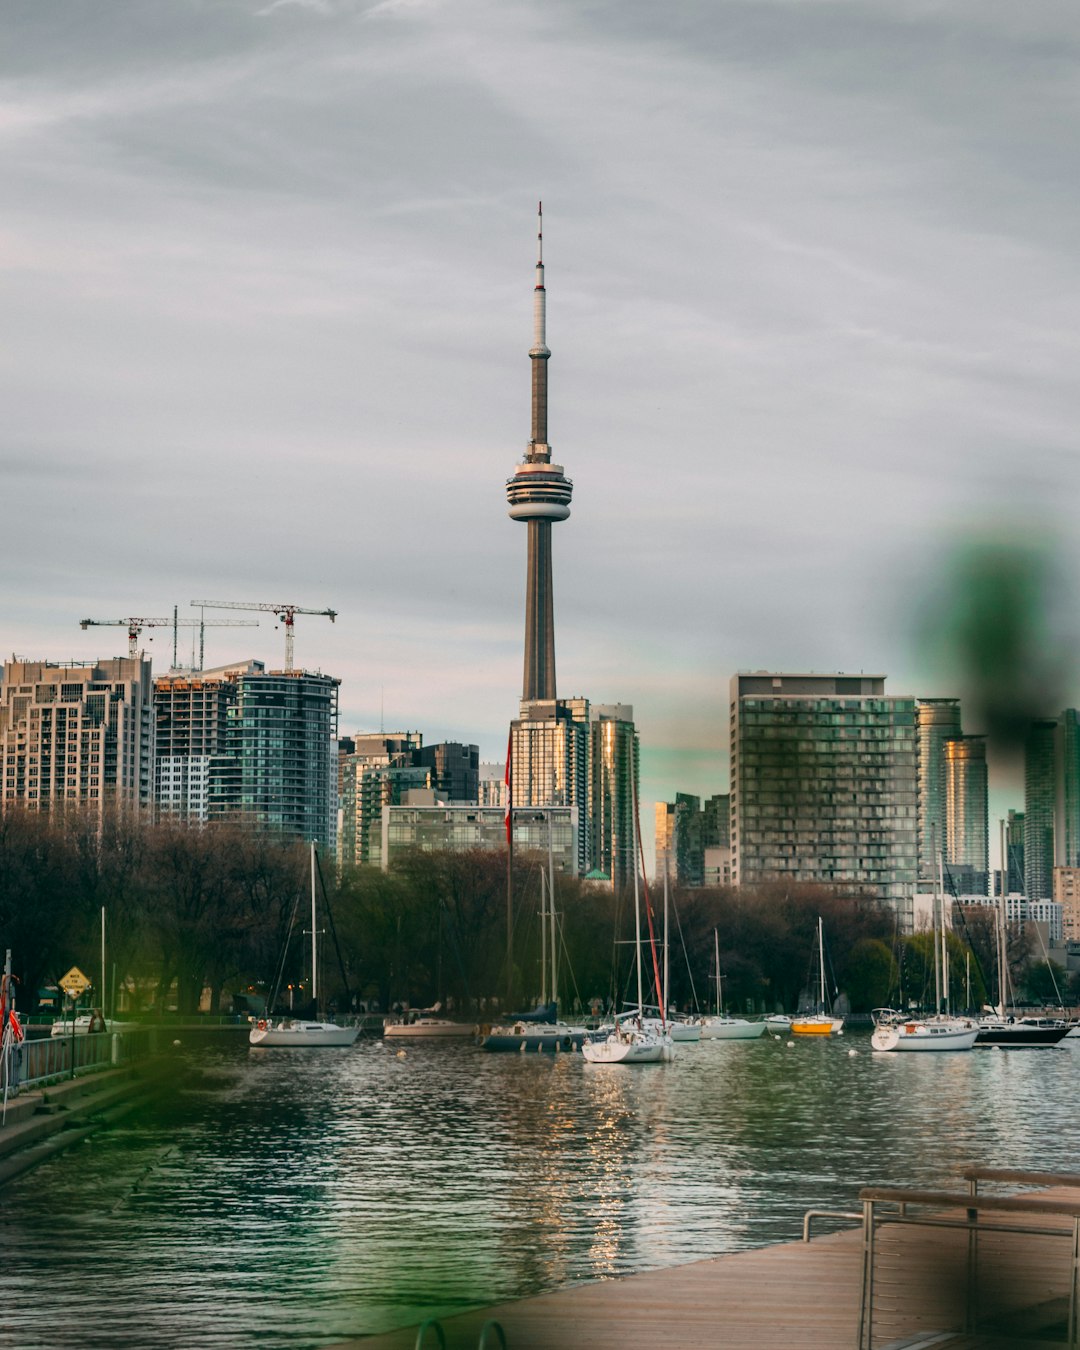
point(37, 1062)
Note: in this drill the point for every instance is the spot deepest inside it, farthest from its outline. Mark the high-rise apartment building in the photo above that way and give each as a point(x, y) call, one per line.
point(77, 733)
point(613, 772)
point(455, 770)
point(1051, 800)
point(549, 759)
point(967, 824)
point(937, 720)
point(282, 735)
point(381, 771)
point(1040, 794)
point(823, 782)
point(242, 742)
point(693, 841)
point(197, 772)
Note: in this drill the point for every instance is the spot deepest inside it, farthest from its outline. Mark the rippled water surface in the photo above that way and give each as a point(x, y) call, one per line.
point(296, 1198)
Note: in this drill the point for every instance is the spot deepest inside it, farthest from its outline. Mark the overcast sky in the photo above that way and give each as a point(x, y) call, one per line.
point(267, 288)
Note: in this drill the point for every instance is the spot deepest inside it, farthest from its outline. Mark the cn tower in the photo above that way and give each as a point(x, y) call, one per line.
point(539, 494)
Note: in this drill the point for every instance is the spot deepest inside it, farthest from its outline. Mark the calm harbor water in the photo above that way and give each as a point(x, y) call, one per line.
point(297, 1198)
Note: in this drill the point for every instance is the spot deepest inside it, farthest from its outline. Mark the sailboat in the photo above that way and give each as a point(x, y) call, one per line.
point(540, 1031)
point(720, 1027)
point(897, 1032)
point(301, 1032)
point(1004, 1030)
point(819, 1023)
point(635, 1039)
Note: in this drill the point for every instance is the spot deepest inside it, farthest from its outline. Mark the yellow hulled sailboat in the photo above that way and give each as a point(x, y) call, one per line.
point(819, 1023)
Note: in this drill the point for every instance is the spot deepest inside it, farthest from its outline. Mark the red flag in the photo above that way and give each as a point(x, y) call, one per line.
point(15, 1024)
point(508, 779)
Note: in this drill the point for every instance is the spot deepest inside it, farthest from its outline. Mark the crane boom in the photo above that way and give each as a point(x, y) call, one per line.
point(135, 625)
point(286, 615)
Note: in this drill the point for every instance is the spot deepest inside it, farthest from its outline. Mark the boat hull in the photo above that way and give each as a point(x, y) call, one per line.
point(731, 1029)
point(302, 1035)
point(633, 1049)
point(533, 1039)
point(922, 1037)
point(1021, 1035)
point(816, 1026)
point(427, 1030)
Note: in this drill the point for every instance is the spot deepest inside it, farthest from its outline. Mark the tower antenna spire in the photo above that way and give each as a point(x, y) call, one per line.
point(539, 494)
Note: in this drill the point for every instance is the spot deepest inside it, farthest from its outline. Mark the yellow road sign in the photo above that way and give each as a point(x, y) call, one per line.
point(74, 982)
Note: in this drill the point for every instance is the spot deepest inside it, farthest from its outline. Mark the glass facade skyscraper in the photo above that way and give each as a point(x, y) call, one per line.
point(613, 775)
point(1040, 789)
point(937, 720)
point(550, 761)
point(282, 731)
point(967, 824)
point(823, 782)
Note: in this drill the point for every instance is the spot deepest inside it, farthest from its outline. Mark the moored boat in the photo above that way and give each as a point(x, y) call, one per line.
point(818, 1023)
point(425, 1024)
point(895, 1031)
point(731, 1029)
point(303, 1033)
point(295, 1032)
point(1022, 1033)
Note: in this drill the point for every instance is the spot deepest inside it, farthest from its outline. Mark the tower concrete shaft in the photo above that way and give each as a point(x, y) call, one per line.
point(539, 494)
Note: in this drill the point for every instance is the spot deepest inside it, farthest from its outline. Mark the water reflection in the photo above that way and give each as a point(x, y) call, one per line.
point(298, 1198)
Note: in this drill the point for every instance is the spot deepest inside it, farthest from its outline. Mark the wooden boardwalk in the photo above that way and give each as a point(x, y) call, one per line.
point(772, 1298)
point(804, 1295)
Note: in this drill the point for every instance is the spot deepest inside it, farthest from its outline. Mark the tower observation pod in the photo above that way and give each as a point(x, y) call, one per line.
point(539, 494)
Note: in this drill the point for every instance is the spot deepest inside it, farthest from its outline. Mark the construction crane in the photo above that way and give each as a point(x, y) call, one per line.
point(285, 615)
point(136, 625)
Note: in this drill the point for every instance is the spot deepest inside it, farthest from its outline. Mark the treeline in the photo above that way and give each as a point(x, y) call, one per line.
point(226, 909)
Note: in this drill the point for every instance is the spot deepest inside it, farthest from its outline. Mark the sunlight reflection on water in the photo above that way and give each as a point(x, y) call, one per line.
point(301, 1197)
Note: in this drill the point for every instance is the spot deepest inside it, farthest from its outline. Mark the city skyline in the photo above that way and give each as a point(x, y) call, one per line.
point(812, 324)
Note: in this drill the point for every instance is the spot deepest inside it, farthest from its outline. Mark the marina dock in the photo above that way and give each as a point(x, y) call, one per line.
point(804, 1294)
point(997, 1274)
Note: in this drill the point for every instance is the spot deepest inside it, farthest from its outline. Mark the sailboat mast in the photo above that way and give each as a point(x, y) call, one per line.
point(543, 938)
point(551, 907)
point(821, 957)
point(1002, 913)
point(664, 1003)
point(314, 939)
point(943, 940)
point(637, 925)
point(716, 958)
point(937, 901)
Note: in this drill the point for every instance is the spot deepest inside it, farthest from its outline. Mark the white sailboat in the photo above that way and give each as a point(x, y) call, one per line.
point(720, 1027)
point(634, 1039)
point(298, 1032)
point(893, 1031)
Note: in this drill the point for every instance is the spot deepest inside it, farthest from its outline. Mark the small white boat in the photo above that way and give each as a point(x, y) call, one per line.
point(720, 1027)
point(298, 1033)
point(778, 1022)
point(732, 1029)
point(418, 1025)
point(84, 1024)
point(894, 1031)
